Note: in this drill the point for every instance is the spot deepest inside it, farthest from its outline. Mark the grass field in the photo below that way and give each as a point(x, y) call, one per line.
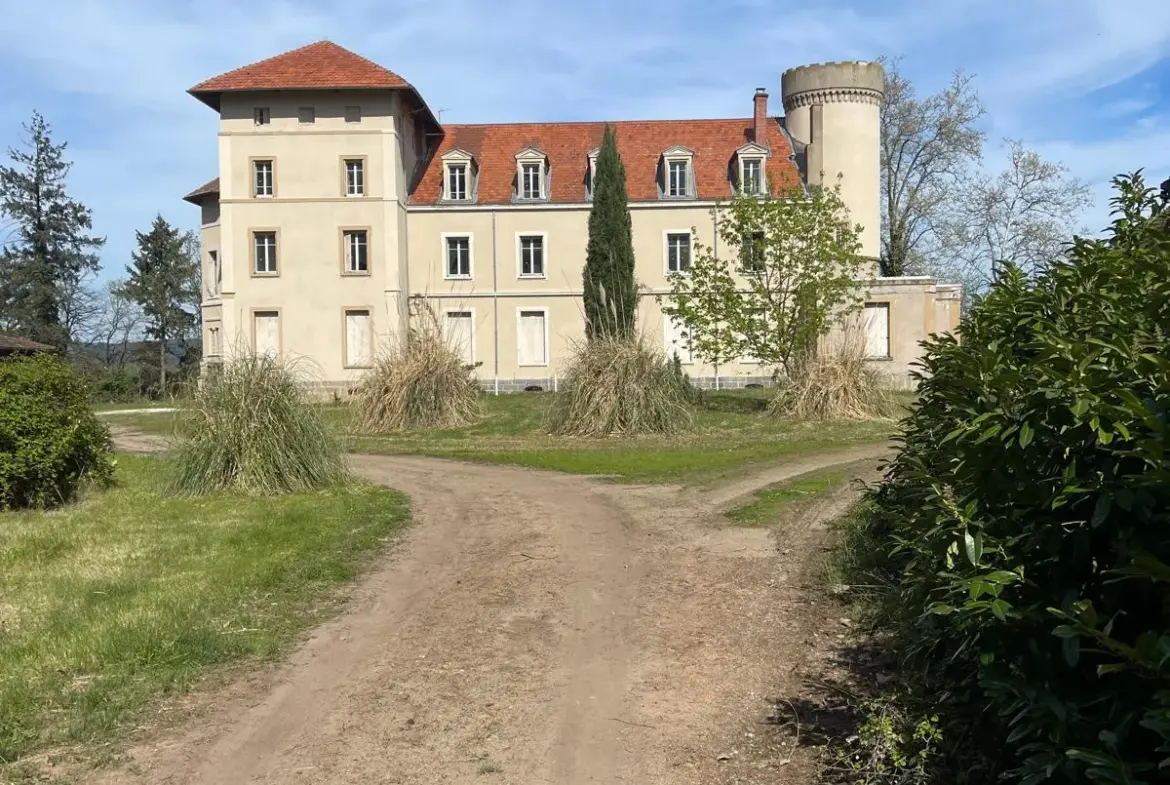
point(129, 596)
point(788, 497)
point(731, 433)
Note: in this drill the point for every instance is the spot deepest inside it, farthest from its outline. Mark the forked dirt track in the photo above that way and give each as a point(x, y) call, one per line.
point(532, 628)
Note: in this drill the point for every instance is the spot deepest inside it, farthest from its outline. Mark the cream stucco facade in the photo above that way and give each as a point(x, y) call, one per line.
point(284, 155)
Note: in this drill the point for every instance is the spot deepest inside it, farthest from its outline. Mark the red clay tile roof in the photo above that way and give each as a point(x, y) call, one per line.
point(640, 143)
point(320, 66)
point(14, 343)
point(209, 187)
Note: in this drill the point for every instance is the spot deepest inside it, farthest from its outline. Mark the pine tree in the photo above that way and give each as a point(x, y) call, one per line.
point(164, 282)
point(611, 298)
point(51, 250)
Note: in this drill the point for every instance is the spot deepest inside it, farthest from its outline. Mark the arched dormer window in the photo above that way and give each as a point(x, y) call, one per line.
point(750, 169)
point(459, 175)
point(532, 175)
point(677, 173)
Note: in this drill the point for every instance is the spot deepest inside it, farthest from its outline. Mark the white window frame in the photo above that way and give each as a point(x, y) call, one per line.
point(543, 255)
point(673, 155)
point(350, 190)
point(537, 191)
point(888, 308)
point(760, 188)
point(462, 309)
point(666, 235)
point(444, 237)
point(256, 163)
point(261, 115)
point(547, 348)
point(673, 165)
point(347, 240)
point(531, 157)
point(451, 169)
point(275, 252)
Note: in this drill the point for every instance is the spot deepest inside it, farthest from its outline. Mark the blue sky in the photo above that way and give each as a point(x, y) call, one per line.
point(1086, 82)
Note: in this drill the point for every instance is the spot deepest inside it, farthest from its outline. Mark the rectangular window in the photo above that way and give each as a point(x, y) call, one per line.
point(876, 321)
point(359, 339)
point(356, 249)
point(261, 115)
point(213, 272)
point(460, 335)
point(266, 332)
point(532, 256)
point(353, 114)
point(264, 244)
point(355, 177)
point(677, 178)
point(752, 178)
point(678, 252)
point(752, 253)
point(458, 257)
point(307, 115)
point(457, 181)
point(676, 342)
point(530, 176)
point(531, 346)
point(262, 185)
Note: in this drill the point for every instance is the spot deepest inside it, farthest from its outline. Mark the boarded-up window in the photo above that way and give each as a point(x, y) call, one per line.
point(359, 339)
point(459, 333)
point(530, 339)
point(675, 341)
point(266, 328)
point(875, 318)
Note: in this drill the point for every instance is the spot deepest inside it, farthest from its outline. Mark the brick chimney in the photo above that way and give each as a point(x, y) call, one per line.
point(759, 115)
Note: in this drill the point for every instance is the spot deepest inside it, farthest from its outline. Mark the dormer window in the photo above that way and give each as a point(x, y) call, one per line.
point(458, 176)
point(591, 171)
point(678, 176)
point(751, 169)
point(531, 175)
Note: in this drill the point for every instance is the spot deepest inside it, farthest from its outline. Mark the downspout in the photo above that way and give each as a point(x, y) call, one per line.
point(495, 312)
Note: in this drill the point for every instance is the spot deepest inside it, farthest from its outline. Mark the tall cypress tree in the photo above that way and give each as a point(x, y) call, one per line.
point(51, 250)
point(164, 281)
point(611, 298)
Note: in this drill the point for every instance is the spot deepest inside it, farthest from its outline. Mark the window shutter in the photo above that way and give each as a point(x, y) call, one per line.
point(359, 350)
point(676, 342)
point(877, 329)
point(530, 345)
point(267, 327)
point(459, 334)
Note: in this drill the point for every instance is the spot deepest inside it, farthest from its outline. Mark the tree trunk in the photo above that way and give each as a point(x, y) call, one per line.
point(162, 364)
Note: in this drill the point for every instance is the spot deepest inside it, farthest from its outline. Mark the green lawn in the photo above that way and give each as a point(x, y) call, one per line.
point(731, 433)
point(129, 596)
point(792, 495)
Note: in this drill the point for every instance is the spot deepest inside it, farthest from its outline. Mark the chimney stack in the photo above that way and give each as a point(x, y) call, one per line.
point(760, 115)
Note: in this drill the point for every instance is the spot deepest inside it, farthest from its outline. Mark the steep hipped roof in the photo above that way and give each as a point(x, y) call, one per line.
point(320, 66)
point(208, 188)
point(640, 142)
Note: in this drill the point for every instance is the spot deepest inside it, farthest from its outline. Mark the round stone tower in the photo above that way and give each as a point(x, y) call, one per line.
point(833, 109)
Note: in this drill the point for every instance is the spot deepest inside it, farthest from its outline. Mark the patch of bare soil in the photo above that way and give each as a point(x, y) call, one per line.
point(134, 441)
point(534, 628)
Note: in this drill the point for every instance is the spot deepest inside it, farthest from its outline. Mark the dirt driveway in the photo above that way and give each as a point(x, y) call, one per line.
point(532, 629)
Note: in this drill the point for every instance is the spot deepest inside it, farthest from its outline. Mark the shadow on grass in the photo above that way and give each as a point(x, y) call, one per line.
point(736, 401)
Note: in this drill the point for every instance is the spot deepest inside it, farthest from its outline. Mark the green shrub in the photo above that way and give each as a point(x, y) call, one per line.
point(50, 440)
point(1028, 517)
point(251, 428)
point(620, 386)
point(421, 382)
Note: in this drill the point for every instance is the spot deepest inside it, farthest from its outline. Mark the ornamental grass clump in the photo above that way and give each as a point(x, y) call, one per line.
point(420, 382)
point(621, 386)
point(834, 382)
point(251, 428)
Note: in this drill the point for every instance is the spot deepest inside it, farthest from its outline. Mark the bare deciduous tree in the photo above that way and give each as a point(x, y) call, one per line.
point(1024, 215)
point(927, 147)
point(119, 323)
